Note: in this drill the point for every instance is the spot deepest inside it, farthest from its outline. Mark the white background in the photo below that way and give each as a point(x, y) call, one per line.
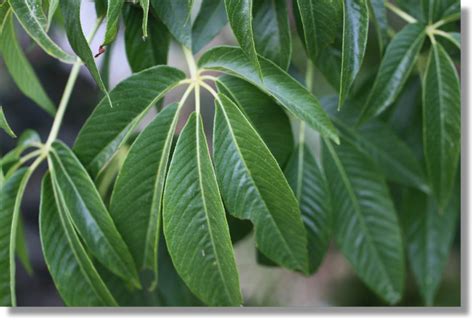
point(339, 313)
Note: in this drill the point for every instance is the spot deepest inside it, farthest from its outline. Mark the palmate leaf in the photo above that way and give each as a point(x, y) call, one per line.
point(308, 181)
point(429, 236)
point(441, 122)
point(4, 124)
point(365, 223)
point(275, 82)
point(80, 201)
point(108, 128)
point(397, 63)
point(149, 52)
point(176, 15)
point(11, 192)
point(210, 20)
point(71, 268)
point(71, 11)
point(272, 34)
point(354, 41)
point(239, 14)
point(20, 69)
point(262, 193)
point(266, 116)
point(114, 7)
point(139, 189)
point(33, 22)
point(194, 222)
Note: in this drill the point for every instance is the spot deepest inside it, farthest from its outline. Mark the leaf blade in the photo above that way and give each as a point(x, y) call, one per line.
point(176, 15)
point(210, 20)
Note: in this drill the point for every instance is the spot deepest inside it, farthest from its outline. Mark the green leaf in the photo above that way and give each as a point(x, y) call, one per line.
point(275, 82)
point(11, 192)
point(318, 23)
point(145, 4)
point(25, 141)
point(262, 193)
point(453, 37)
point(397, 63)
point(114, 7)
point(32, 22)
point(195, 228)
point(272, 34)
point(209, 22)
point(4, 12)
point(308, 181)
point(146, 164)
point(239, 14)
point(4, 124)
point(380, 22)
point(149, 52)
point(71, 11)
point(354, 42)
point(365, 222)
point(81, 203)
point(52, 8)
point(441, 123)
point(108, 128)
point(21, 249)
point(429, 237)
point(176, 15)
point(71, 268)
point(20, 69)
point(271, 122)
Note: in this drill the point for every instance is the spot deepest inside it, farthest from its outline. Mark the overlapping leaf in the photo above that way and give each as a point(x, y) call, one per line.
point(209, 22)
point(176, 15)
point(114, 7)
point(275, 82)
point(262, 193)
point(4, 124)
point(380, 21)
point(194, 222)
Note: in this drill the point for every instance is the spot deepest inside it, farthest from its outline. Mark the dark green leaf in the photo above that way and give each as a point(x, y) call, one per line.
point(266, 116)
point(176, 15)
point(397, 63)
point(209, 22)
point(27, 139)
point(453, 37)
point(4, 124)
point(71, 268)
point(21, 249)
point(272, 32)
point(139, 189)
point(20, 69)
point(365, 222)
point(441, 123)
point(275, 82)
point(380, 22)
point(81, 203)
point(145, 4)
point(149, 52)
point(195, 228)
point(52, 7)
point(309, 184)
point(114, 7)
point(32, 21)
point(239, 14)
point(429, 236)
point(354, 41)
point(108, 128)
point(254, 187)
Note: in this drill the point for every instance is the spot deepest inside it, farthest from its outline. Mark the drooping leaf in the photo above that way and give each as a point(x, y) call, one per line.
point(4, 124)
point(354, 41)
point(114, 7)
point(365, 223)
point(21, 250)
point(262, 193)
point(11, 192)
point(397, 63)
point(149, 52)
point(429, 236)
point(81, 203)
point(318, 23)
point(309, 184)
point(139, 189)
point(71, 11)
point(176, 15)
point(239, 14)
point(441, 123)
point(194, 222)
point(31, 21)
point(275, 82)
point(20, 68)
point(272, 32)
point(266, 116)
point(71, 268)
point(380, 21)
point(209, 22)
point(108, 128)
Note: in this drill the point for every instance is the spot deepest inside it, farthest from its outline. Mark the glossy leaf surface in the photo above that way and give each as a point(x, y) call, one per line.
point(176, 15)
point(210, 20)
